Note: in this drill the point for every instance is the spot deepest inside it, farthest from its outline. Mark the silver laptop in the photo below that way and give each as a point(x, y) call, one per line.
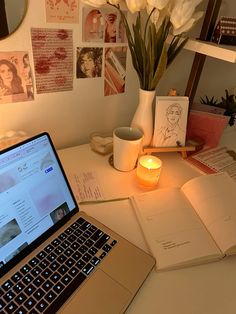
point(53, 257)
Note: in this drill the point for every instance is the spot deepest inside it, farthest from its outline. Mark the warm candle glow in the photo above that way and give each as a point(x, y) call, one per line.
point(148, 170)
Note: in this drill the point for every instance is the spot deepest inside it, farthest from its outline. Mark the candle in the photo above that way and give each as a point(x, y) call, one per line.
point(148, 170)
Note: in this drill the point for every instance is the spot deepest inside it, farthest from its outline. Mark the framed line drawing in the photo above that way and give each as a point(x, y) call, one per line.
point(170, 121)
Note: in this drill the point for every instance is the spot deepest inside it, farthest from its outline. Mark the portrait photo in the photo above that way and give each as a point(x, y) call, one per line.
point(93, 25)
point(170, 121)
point(89, 62)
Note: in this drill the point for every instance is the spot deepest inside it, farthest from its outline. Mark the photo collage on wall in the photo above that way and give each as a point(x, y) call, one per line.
point(101, 27)
point(102, 54)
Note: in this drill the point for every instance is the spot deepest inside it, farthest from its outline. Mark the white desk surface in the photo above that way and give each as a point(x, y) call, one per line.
point(204, 289)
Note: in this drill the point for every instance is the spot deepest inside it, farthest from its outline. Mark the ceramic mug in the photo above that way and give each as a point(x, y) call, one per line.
point(126, 147)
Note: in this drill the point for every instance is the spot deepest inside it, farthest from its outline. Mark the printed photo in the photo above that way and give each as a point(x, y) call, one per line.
point(89, 62)
point(62, 11)
point(16, 83)
point(170, 121)
point(115, 70)
point(59, 212)
point(92, 25)
point(8, 232)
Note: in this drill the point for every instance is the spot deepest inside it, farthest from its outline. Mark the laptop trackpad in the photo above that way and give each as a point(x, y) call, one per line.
point(100, 294)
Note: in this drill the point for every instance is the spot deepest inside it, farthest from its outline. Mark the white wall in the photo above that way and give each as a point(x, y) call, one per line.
point(71, 116)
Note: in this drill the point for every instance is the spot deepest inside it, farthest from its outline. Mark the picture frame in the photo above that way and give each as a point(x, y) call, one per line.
point(170, 123)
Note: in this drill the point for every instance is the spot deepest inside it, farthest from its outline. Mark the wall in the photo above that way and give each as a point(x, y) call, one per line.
point(71, 116)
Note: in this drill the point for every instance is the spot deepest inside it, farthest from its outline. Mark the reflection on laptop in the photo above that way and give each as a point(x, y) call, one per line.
point(52, 256)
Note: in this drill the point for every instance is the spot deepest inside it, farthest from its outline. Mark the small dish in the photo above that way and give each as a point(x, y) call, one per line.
point(101, 143)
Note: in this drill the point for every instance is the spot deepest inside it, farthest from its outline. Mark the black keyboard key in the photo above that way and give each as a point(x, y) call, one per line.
point(93, 251)
point(76, 256)
point(50, 296)
point(80, 264)
point(61, 258)
point(65, 244)
point(67, 292)
point(62, 236)
point(54, 266)
point(87, 234)
point(21, 310)
point(102, 255)
point(104, 238)
point(68, 252)
point(80, 221)
point(10, 307)
point(9, 296)
point(58, 288)
point(95, 261)
point(41, 255)
point(18, 287)
point(73, 271)
point(39, 294)
point(97, 235)
point(47, 285)
point(51, 257)
point(81, 240)
point(69, 231)
point(46, 273)
point(29, 303)
point(36, 271)
point(34, 261)
point(86, 257)
point(85, 226)
point(7, 285)
point(63, 269)
point(27, 279)
point(78, 233)
point(66, 279)
point(20, 298)
point(42, 305)
point(49, 248)
point(113, 243)
point(72, 238)
point(83, 249)
point(87, 269)
point(56, 242)
point(38, 281)
point(89, 243)
point(107, 248)
point(2, 304)
point(92, 228)
point(44, 264)
point(55, 277)
point(74, 246)
point(16, 277)
point(25, 269)
point(29, 289)
point(70, 262)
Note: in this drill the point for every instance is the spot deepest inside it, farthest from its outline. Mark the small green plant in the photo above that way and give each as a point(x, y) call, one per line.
point(209, 102)
point(229, 104)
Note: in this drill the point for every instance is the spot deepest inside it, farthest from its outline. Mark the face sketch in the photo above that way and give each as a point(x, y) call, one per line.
point(87, 65)
point(173, 113)
point(6, 74)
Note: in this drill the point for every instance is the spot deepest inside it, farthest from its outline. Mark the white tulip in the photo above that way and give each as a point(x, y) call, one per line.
point(114, 2)
point(184, 28)
point(95, 3)
point(158, 4)
point(182, 12)
point(136, 5)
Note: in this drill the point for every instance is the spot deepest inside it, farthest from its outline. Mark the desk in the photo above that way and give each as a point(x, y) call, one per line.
point(204, 289)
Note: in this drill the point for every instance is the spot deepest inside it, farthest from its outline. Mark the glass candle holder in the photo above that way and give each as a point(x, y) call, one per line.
point(148, 171)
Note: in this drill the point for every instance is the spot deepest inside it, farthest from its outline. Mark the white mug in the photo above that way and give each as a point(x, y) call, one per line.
point(126, 147)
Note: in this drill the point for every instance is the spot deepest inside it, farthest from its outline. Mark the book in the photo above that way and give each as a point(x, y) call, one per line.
point(190, 225)
point(212, 160)
point(207, 126)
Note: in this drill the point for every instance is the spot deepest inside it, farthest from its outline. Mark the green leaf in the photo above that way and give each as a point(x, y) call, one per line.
point(161, 68)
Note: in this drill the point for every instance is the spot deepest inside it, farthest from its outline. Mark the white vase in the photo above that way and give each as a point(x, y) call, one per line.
point(143, 117)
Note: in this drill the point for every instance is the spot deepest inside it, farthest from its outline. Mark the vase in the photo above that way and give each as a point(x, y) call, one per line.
point(143, 117)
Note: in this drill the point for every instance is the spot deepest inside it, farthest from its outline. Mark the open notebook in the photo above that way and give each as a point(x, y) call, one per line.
point(52, 256)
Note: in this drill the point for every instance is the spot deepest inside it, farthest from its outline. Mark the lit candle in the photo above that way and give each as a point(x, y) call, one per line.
point(148, 170)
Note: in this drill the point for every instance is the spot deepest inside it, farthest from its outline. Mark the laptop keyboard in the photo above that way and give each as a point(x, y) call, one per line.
point(47, 280)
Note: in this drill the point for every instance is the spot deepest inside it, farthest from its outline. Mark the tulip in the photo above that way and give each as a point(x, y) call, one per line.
point(158, 4)
point(182, 14)
point(114, 2)
point(136, 5)
point(95, 3)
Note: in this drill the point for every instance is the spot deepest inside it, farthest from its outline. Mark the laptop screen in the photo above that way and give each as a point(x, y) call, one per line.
point(34, 195)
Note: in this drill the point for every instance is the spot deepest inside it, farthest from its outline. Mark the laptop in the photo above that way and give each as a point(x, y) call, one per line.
point(55, 258)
